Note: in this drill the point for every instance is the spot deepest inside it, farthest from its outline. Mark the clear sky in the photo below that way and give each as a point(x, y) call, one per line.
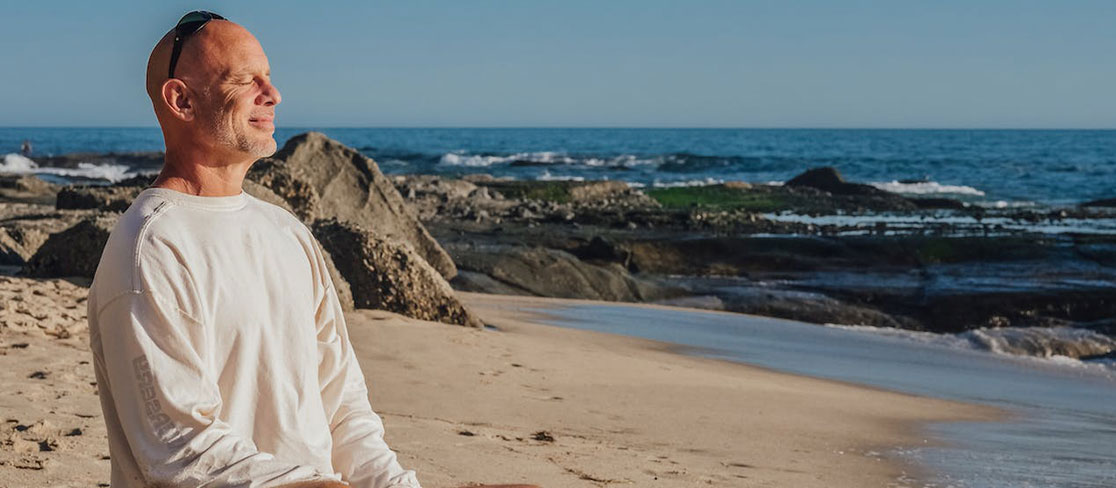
point(641, 63)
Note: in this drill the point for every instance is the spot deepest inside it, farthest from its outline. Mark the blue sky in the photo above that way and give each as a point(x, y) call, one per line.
point(646, 63)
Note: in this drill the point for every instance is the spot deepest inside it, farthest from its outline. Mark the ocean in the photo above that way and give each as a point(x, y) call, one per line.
point(995, 168)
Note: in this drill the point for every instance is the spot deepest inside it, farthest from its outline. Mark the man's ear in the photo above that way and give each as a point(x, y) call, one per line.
point(176, 98)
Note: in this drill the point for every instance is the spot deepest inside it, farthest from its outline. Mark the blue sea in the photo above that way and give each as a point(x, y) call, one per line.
point(995, 168)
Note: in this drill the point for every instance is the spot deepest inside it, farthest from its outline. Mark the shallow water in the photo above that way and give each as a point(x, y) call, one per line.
point(1064, 434)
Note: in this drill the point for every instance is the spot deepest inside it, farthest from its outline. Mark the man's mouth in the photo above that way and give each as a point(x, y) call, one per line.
point(262, 122)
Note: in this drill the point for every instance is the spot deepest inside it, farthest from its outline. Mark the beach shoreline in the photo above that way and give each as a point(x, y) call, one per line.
point(529, 403)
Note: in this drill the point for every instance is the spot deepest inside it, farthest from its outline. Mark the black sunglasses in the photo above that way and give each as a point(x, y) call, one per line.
point(187, 25)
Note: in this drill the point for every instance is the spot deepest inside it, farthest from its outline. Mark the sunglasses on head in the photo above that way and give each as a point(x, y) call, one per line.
point(188, 25)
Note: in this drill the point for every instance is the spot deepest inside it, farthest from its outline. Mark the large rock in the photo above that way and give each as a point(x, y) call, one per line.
point(110, 198)
point(830, 180)
point(26, 188)
point(321, 178)
point(74, 251)
point(390, 275)
point(553, 273)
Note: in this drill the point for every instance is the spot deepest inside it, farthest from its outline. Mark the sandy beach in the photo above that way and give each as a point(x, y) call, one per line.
point(527, 403)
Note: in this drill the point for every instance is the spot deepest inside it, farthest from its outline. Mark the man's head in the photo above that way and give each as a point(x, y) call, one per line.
point(221, 99)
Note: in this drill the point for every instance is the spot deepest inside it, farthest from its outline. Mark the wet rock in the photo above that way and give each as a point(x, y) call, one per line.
point(603, 249)
point(322, 178)
point(1106, 202)
point(553, 273)
point(828, 179)
point(75, 251)
point(938, 203)
point(390, 275)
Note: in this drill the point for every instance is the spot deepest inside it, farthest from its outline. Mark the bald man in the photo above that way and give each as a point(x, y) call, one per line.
point(220, 349)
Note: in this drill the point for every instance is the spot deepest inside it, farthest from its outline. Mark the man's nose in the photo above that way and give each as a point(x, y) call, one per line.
point(269, 95)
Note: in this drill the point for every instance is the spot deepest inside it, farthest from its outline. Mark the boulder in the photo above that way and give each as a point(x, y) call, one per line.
point(390, 275)
point(553, 273)
point(74, 251)
point(321, 178)
point(828, 179)
point(26, 188)
point(11, 250)
point(109, 198)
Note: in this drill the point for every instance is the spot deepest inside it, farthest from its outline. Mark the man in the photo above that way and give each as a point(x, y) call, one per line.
point(220, 349)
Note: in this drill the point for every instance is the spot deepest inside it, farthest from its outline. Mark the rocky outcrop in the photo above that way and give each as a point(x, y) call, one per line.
point(75, 251)
point(26, 188)
point(109, 198)
point(552, 273)
point(390, 275)
point(321, 178)
point(1105, 202)
point(828, 179)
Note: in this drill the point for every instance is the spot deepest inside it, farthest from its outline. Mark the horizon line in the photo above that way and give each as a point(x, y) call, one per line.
point(594, 127)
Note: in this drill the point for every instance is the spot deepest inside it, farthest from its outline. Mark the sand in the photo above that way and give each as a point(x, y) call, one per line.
point(528, 403)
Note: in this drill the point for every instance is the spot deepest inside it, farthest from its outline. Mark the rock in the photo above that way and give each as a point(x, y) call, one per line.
point(11, 250)
point(264, 193)
point(110, 198)
point(74, 251)
point(26, 188)
point(20, 238)
point(830, 180)
point(390, 275)
point(597, 190)
point(481, 283)
point(553, 273)
point(938, 203)
point(601, 249)
point(321, 178)
point(1105, 202)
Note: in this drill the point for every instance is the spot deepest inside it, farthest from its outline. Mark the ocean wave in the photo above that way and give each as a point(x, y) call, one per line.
point(1006, 204)
point(1057, 344)
point(16, 163)
point(542, 158)
point(546, 176)
point(926, 188)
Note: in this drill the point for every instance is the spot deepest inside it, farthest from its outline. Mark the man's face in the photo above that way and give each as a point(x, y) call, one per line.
point(236, 101)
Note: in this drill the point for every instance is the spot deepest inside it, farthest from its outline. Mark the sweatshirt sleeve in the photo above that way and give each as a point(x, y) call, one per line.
point(359, 451)
point(168, 402)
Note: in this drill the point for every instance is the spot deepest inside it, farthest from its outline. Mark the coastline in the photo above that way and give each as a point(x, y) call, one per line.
point(531, 403)
point(614, 422)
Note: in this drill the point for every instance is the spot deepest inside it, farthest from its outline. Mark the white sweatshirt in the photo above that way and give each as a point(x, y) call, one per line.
point(221, 352)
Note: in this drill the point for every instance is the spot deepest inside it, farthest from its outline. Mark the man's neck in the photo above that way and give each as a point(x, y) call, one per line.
point(204, 180)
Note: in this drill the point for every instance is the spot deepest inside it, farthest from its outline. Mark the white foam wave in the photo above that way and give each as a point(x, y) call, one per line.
point(676, 184)
point(1006, 204)
point(459, 158)
point(546, 176)
point(1056, 344)
point(15, 163)
point(926, 188)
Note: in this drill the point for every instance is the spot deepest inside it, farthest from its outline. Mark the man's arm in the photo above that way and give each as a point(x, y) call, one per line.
point(167, 401)
point(359, 451)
